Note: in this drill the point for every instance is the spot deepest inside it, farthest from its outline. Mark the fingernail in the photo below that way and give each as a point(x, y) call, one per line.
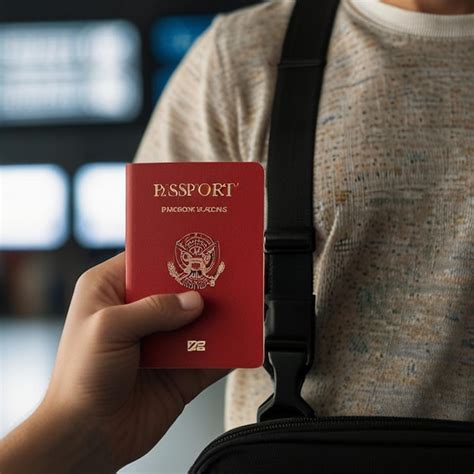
point(189, 300)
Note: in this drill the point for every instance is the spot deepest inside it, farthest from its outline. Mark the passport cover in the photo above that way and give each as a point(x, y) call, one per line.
point(199, 226)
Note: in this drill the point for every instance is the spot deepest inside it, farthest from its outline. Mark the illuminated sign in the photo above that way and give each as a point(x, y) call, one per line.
point(69, 72)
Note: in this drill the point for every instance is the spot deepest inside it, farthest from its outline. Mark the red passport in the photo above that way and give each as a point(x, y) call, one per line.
point(199, 226)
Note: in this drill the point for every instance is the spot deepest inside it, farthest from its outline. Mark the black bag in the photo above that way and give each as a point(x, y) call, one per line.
point(288, 438)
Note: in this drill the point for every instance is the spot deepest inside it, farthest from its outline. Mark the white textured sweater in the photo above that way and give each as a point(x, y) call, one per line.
point(393, 197)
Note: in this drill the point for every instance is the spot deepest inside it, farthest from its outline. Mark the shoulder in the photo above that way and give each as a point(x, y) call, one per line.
point(217, 103)
point(253, 35)
point(237, 47)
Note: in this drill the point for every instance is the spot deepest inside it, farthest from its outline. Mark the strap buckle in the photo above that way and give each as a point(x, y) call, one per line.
point(288, 355)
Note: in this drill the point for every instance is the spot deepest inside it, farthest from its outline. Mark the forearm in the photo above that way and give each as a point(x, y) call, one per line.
point(53, 443)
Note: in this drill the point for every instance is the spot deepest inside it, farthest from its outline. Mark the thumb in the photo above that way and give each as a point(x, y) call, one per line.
point(156, 313)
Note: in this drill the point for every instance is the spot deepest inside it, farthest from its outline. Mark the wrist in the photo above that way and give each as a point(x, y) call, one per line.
point(55, 440)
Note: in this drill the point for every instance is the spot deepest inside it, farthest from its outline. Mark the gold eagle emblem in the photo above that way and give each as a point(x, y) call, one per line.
point(196, 255)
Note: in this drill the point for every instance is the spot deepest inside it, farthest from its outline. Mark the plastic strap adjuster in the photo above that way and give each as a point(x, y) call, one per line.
point(294, 240)
point(301, 63)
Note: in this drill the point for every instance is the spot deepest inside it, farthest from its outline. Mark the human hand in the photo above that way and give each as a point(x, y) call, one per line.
point(96, 387)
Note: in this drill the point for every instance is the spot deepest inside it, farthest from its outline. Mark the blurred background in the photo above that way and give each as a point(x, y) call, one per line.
point(78, 83)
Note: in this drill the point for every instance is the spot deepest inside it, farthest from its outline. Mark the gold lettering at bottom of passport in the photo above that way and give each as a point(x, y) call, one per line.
point(196, 255)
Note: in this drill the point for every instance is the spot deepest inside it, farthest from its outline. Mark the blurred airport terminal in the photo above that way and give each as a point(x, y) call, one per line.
point(78, 83)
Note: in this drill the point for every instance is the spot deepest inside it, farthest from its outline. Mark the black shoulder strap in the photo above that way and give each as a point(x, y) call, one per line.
point(290, 236)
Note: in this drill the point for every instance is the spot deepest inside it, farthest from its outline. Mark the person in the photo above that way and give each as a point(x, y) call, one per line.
point(100, 412)
point(393, 194)
point(393, 215)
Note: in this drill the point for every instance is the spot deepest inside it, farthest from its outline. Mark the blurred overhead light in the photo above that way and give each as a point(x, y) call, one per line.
point(33, 207)
point(69, 72)
point(99, 205)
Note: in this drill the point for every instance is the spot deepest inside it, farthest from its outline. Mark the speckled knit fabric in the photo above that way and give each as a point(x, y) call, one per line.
point(393, 197)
